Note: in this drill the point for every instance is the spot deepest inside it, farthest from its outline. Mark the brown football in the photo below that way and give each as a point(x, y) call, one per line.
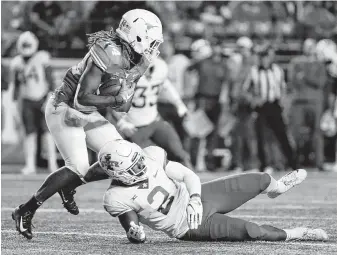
point(110, 85)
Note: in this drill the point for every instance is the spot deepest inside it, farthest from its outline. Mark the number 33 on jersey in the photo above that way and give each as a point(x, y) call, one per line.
point(158, 201)
point(145, 99)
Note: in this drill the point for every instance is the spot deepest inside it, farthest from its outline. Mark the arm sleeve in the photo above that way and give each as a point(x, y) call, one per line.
point(171, 94)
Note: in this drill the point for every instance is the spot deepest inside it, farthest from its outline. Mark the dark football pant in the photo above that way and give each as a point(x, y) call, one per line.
point(33, 116)
point(224, 195)
point(164, 135)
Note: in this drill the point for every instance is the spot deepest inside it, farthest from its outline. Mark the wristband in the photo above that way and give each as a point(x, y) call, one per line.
point(195, 195)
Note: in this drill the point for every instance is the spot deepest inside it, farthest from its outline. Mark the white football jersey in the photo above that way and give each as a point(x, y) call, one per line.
point(144, 104)
point(32, 75)
point(149, 197)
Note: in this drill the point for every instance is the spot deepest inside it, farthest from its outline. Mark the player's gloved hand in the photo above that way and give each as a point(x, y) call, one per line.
point(126, 127)
point(182, 110)
point(194, 212)
point(127, 90)
point(136, 233)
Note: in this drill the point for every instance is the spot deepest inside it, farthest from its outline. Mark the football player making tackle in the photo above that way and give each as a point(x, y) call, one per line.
point(142, 125)
point(71, 113)
point(168, 197)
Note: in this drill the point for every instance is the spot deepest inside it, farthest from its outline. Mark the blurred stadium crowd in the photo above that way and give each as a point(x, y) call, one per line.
point(230, 37)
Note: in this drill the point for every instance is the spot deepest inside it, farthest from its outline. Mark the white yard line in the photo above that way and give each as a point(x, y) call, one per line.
point(9, 231)
point(236, 214)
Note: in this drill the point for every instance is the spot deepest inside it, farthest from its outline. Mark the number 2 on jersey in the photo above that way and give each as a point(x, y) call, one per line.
point(159, 202)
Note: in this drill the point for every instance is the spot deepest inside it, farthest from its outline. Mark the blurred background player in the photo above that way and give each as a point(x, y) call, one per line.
point(266, 92)
point(308, 81)
point(143, 124)
point(244, 142)
point(31, 81)
point(209, 65)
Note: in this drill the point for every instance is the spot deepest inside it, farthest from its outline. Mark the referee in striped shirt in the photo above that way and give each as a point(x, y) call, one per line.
point(264, 88)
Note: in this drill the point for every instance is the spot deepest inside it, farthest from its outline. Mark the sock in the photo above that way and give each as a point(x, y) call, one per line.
point(31, 206)
point(273, 185)
point(293, 234)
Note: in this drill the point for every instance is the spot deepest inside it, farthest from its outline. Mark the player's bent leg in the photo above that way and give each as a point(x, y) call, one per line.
point(97, 134)
point(228, 193)
point(220, 227)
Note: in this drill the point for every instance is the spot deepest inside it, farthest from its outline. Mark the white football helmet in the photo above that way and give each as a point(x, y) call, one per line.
point(143, 31)
point(27, 44)
point(244, 42)
point(201, 49)
point(123, 161)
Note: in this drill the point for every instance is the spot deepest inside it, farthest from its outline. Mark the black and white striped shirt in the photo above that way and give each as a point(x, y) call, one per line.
point(267, 85)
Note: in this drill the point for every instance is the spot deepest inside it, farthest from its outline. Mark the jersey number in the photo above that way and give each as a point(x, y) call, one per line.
point(141, 100)
point(152, 200)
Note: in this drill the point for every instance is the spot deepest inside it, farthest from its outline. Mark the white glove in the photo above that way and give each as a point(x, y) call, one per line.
point(182, 110)
point(194, 212)
point(126, 127)
point(127, 90)
point(136, 233)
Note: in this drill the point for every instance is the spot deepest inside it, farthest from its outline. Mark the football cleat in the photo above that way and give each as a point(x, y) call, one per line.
point(68, 201)
point(289, 181)
point(307, 234)
point(23, 222)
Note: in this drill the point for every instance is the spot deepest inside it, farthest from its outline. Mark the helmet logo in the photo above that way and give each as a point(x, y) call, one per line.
point(149, 26)
point(108, 163)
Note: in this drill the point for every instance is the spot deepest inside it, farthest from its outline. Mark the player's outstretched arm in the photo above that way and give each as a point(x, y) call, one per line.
point(171, 94)
point(87, 87)
point(134, 232)
point(177, 171)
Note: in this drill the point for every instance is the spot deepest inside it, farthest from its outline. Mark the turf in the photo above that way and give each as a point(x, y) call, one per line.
point(93, 231)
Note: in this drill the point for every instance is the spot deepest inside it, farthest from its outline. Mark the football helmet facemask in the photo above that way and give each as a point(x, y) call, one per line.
point(27, 44)
point(143, 31)
point(123, 161)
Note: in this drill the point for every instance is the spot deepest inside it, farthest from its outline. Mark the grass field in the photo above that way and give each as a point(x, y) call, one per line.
point(93, 231)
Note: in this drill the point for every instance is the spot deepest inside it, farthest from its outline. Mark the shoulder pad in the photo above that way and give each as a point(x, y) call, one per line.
point(158, 154)
point(43, 57)
point(105, 54)
point(99, 55)
point(15, 62)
